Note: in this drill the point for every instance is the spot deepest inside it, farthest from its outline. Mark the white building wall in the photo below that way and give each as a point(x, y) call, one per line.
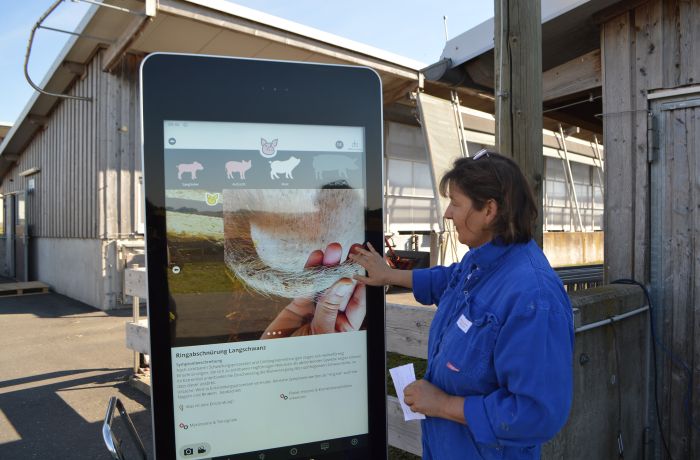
point(88, 270)
point(72, 267)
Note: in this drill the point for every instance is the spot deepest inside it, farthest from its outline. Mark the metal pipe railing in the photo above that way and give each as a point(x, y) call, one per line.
point(612, 319)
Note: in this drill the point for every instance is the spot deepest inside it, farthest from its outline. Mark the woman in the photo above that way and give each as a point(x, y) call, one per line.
point(499, 376)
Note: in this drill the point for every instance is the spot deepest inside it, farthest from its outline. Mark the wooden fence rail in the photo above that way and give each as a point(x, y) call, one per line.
point(407, 329)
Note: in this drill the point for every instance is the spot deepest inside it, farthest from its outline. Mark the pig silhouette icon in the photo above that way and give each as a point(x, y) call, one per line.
point(338, 163)
point(268, 149)
point(191, 168)
point(283, 167)
point(239, 167)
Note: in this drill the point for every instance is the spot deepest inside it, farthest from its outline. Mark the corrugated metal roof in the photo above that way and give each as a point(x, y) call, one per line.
point(479, 39)
point(300, 29)
point(223, 27)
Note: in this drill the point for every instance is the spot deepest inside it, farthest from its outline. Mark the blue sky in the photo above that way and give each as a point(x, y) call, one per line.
point(411, 28)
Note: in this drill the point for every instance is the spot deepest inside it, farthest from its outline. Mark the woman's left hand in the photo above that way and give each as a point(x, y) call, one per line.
point(424, 397)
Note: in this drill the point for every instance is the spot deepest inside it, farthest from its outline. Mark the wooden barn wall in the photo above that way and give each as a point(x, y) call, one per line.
point(90, 160)
point(655, 45)
point(120, 166)
point(63, 204)
point(676, 282)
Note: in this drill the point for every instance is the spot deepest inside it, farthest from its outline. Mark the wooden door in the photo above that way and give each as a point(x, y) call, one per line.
point(675, 273)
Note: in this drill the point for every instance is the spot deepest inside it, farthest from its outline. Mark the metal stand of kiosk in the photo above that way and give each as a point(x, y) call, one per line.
point(113, 443)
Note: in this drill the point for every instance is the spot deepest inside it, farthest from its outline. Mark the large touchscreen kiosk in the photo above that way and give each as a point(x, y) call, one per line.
point(268, 322)
point(261, 177)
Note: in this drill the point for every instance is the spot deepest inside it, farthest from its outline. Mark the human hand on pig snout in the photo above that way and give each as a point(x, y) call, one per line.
point(304, 316)
point(378, 272)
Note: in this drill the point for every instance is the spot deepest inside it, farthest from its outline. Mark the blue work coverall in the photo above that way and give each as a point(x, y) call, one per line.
point(503, 338)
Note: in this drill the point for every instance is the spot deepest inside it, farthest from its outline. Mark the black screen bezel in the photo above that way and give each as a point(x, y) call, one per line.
point(222, 89)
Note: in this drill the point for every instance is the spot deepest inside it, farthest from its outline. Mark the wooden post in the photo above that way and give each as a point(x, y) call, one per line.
point(136, 316)
point(518, 90)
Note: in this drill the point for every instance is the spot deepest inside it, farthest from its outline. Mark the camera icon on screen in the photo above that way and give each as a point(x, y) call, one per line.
point(195, 450)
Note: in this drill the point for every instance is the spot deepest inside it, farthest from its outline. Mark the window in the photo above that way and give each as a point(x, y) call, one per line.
point(560, 211)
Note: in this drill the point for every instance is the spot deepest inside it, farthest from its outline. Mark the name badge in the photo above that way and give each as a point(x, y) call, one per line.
point(463, 323)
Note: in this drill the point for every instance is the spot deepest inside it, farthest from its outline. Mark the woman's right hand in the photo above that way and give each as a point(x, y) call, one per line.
point(378, 272)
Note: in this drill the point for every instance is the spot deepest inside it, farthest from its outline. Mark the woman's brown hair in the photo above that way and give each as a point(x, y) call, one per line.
point(489, 175)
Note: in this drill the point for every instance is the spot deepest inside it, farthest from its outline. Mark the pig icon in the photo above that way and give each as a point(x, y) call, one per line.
point(283, 167)
point(268, 149)
point(239, 167)
point(339, 163)
point(191, 168)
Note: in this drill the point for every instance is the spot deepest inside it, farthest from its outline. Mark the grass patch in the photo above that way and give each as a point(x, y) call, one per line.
point(420, 366)
point(398, 454)
point(395, 359)
point(203, 277)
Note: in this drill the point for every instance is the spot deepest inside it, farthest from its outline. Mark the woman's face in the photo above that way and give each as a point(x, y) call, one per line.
point(473, 226)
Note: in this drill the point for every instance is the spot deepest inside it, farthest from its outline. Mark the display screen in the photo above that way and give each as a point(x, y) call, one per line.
point(267, 328)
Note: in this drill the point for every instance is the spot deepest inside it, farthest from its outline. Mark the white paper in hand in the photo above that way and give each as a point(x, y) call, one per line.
point(402, 376)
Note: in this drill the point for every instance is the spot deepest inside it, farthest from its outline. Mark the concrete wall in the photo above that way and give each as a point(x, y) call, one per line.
point(71, 266)
point(609, 396)
point(89, 270)
point(573, 248)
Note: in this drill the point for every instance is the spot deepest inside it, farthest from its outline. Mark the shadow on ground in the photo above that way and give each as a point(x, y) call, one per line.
point(58, 306)
point(60, 362)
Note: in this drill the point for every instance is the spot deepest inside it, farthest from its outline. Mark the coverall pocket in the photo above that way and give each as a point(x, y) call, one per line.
point(470, 353)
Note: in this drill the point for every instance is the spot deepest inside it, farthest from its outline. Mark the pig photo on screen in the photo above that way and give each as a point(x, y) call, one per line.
point(269, 234)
